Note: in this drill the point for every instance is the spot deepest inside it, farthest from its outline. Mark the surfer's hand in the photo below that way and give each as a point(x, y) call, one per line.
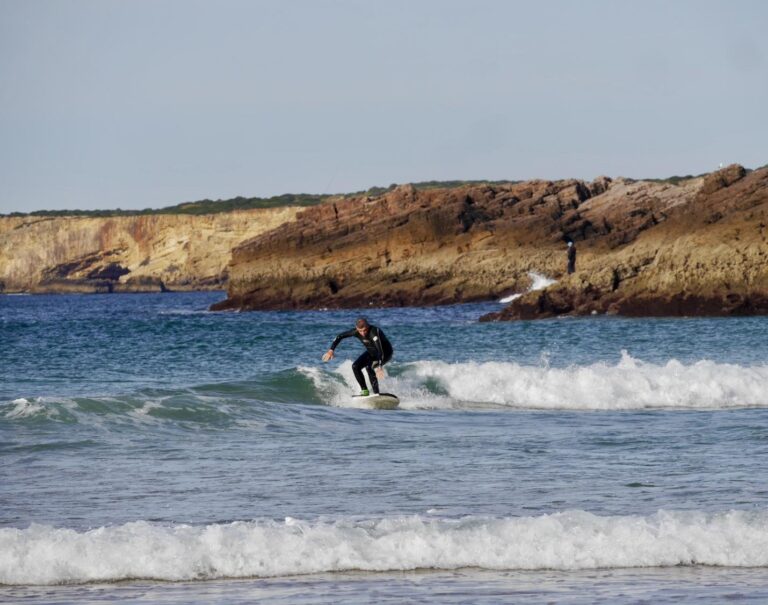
point(380, 372)
point(328, 355)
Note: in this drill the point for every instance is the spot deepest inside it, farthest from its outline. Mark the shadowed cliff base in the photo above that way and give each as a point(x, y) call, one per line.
point(695, 246)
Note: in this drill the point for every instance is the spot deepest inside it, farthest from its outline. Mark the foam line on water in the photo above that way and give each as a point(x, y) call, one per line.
point(570, 540)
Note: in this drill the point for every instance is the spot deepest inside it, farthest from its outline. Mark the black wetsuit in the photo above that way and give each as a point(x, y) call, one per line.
point(571, 259)
point(378, 351)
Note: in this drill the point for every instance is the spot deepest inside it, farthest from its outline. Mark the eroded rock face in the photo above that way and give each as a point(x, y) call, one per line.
point(128, 253)
point(644, 248)
point(406, 247)
point(709, 256)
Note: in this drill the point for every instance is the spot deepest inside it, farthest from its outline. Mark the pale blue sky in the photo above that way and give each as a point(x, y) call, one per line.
point(148, 103)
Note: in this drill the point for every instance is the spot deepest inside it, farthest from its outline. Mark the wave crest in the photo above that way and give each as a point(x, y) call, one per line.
point(629, 384)
point(569, 540)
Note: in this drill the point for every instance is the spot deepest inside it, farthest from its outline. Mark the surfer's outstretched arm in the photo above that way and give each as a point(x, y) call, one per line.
point(330, 352)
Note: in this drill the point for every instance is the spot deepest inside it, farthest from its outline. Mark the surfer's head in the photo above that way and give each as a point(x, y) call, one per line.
point(362, 325)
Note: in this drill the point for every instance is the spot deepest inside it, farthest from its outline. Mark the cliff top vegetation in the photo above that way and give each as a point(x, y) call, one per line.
point(208, 206)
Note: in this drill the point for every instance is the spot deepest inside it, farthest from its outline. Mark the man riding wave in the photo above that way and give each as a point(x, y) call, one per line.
point(378, 351)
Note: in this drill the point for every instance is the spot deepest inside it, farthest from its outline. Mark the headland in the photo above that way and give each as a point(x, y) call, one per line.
point(691, 246)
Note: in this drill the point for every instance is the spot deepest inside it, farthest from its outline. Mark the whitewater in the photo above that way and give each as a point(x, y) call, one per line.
point(151, 451)
point(626, 385)
point(562, 541)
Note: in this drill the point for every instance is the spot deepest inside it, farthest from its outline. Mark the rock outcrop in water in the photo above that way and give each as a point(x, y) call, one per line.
point(127, 253)
point(645, 248)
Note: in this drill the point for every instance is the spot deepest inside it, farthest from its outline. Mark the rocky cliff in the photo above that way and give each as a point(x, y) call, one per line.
point(644, 247)
point(126, 253)
point(703, 254)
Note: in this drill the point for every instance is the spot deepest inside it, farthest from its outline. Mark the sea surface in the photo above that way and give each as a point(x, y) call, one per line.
point(154, 452)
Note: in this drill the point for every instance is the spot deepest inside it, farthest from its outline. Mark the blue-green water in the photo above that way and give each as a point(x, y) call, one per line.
point(166, 453)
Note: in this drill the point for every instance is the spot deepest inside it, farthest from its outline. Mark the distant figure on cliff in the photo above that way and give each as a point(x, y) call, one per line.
point(571, 257)
point(378, 351)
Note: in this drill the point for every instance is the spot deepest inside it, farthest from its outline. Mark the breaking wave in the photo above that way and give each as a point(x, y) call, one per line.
point(629, 384)
point(570, 540)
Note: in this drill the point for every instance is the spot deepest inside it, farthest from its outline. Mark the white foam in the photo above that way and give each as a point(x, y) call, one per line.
point(566, 541)
point(629, 384)
point(538, 282)
point(337, 387)
point(23, 408)
point(146, 409)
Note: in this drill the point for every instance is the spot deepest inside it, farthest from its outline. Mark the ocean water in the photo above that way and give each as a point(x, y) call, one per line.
point(151, 451)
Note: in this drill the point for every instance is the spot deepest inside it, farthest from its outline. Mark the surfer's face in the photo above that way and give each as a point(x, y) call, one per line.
point(362, 331)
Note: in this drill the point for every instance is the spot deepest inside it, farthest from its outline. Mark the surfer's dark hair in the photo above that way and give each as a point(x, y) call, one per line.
point(362, 322)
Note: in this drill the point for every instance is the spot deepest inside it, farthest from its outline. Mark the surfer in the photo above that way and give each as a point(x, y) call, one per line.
point(378, 351)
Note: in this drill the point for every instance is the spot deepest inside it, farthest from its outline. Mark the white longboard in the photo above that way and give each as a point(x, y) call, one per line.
point(382, 401)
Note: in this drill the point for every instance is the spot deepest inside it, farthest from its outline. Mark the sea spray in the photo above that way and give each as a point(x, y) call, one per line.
point(538, 282)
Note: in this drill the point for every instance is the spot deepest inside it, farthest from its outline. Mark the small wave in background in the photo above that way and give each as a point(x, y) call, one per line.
point(218, 405)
